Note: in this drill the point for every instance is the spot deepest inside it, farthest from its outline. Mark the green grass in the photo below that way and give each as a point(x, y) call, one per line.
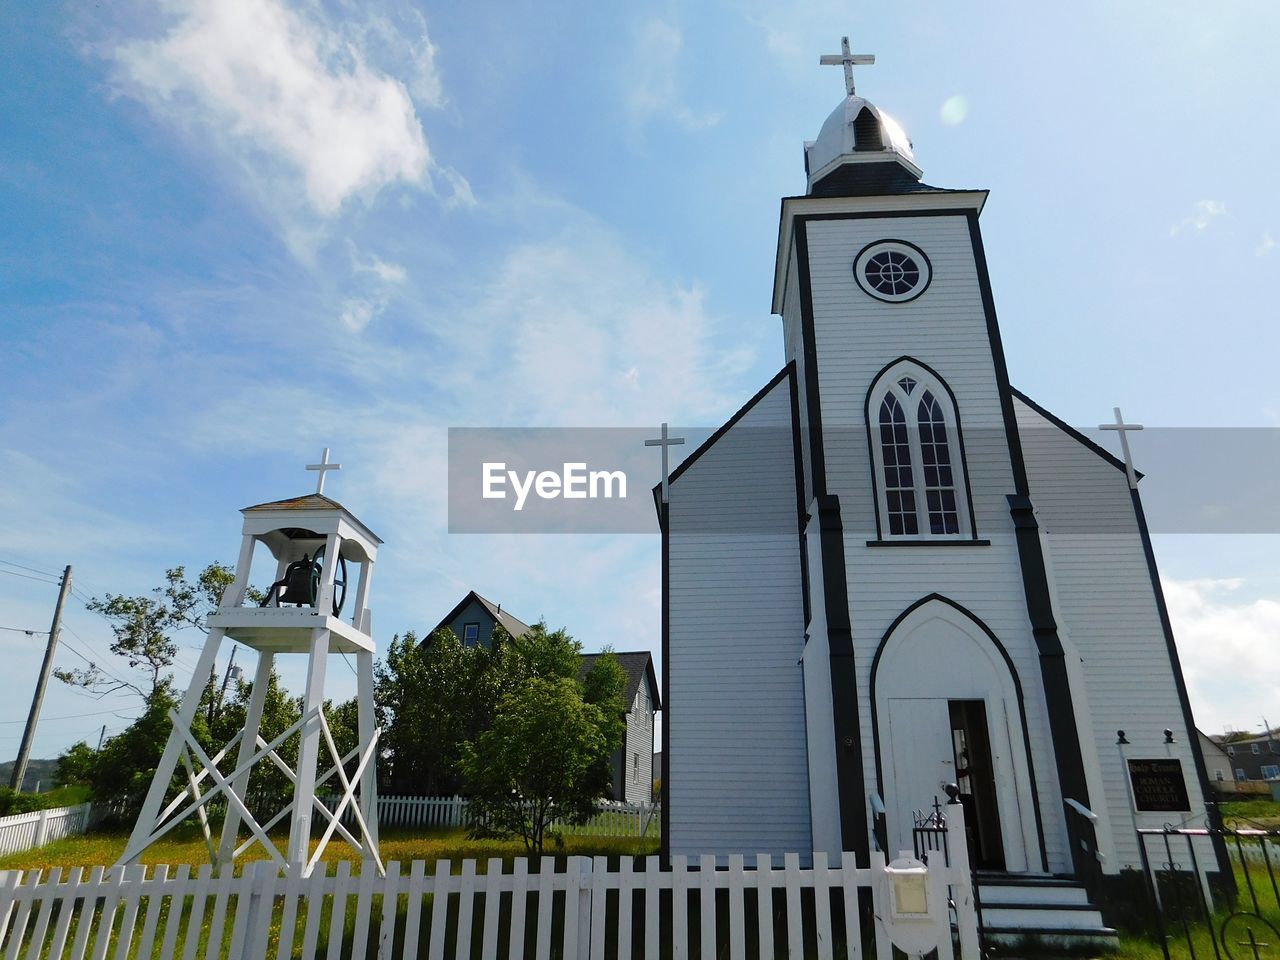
point(1257, 813)
point(1135, 946)
point(185, 844)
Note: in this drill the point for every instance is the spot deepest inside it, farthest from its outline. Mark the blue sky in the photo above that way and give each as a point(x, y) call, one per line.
point(236, 232)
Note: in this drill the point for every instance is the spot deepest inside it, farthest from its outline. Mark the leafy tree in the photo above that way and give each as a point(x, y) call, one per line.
point(530, 768)
point(267, 782)
point(76, 766)
point(545, 755)
point(144, 627)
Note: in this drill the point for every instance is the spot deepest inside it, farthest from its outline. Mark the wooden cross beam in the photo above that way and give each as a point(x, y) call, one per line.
point(847, 60)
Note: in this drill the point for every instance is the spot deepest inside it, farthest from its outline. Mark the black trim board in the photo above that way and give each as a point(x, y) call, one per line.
point(664, 849)
point(1072, 432)
point(1059, 703)
point(1017, 686)
point(1212, 812)
point(850, 776)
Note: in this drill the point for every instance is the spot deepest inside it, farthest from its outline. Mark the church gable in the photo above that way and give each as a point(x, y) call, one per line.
point(733, 639)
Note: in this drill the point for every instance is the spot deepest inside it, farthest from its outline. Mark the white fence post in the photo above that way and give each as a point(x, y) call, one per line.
point(961, 881)
point(42, 828)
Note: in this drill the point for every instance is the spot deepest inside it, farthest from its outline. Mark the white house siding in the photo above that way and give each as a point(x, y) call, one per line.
point(1108, 606)
point(637, 785)
point(738, 778)
point(945, 328)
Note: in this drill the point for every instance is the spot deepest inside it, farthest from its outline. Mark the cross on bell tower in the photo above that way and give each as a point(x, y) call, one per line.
point(847, 60)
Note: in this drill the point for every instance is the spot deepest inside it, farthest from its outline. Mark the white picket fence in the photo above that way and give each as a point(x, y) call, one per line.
point(23, 831)
point(576, 907)
point(611, 819)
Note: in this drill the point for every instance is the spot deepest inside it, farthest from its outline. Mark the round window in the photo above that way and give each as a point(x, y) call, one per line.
point(892, 270)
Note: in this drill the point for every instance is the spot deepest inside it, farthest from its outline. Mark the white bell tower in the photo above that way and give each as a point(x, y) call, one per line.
point(312, 540)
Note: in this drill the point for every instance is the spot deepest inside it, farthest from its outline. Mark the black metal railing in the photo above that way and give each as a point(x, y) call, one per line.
point(1213, 892)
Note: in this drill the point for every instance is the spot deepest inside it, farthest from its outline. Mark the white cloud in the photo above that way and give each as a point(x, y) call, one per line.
point(652, 78)
point(1265, 245)
point(1206, 211)
point(285, 95)
point(1228, 651)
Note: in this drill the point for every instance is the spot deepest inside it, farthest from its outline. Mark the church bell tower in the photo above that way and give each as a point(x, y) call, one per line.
point(315, 544)
point(915, 485)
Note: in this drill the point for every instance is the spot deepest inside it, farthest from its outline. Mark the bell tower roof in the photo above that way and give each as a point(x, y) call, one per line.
point(860, 149)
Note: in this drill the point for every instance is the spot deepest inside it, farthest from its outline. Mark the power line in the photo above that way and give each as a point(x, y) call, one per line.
point(26, 576)
point(69, 716)
point(10, 563)
point(31, 633)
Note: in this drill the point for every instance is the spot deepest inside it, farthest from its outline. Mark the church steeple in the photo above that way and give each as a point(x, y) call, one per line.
point(860, 150)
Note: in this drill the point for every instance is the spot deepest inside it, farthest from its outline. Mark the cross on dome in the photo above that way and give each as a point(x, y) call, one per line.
point(322, 468)
point(846, 59)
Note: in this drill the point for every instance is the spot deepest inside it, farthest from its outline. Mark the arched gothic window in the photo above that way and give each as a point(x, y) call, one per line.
point(916, 450)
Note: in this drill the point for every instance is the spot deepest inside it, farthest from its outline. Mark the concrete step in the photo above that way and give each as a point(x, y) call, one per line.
point(1035, 912)
point(1061, 892)
point(1076, 916)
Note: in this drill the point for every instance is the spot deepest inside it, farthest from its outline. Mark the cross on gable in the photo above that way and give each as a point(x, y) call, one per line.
point(1123, 429)
point(847, 60)
point(664, 442)
point(323, 467)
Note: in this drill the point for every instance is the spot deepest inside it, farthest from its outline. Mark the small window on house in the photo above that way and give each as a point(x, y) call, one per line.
point(470, 634)
point(1255, 748)
point(1218, 776)
point(635, 766)
point(1270, 771)
point(1240, 774)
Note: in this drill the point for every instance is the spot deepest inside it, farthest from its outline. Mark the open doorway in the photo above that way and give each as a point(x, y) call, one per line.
point(975, 776)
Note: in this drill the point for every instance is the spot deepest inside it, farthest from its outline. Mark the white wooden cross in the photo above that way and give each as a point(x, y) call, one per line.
point(847, 60)
point(322, 467)
point(1123, 428)
point(664, 441)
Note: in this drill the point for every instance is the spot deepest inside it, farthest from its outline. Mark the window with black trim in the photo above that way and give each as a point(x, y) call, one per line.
point(470, 634)
point(892, 270)
point(915, 449)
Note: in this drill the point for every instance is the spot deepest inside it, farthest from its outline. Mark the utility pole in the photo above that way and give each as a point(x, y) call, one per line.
point(28, 734)
point(102, 736)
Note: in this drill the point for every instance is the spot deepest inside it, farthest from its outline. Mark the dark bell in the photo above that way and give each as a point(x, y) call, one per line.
point(298, 585)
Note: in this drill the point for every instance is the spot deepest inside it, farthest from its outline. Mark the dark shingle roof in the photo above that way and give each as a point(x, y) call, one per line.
point(513, 626)
point(636, 665)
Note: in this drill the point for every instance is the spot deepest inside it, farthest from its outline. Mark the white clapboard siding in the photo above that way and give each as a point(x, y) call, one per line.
point(1108, 606)
point(576, 907)
point(735, 702)
point(856, 336)
point(23, 831)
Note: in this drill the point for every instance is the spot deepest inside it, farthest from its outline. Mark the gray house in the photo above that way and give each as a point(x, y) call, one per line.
point(1253, 758)
point(633, 764)
point(473, 621)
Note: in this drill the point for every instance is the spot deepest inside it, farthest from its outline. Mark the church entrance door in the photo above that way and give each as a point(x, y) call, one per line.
point(948, 711)
point(933, 743)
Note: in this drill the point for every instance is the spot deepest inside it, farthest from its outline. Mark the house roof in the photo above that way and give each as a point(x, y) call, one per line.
point(511, 624)
point(636, 665)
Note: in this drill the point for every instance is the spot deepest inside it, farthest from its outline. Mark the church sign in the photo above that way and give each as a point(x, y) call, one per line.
point(1158, 785)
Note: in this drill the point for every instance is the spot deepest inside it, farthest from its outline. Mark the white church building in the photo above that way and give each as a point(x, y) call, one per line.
point(891, 570)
